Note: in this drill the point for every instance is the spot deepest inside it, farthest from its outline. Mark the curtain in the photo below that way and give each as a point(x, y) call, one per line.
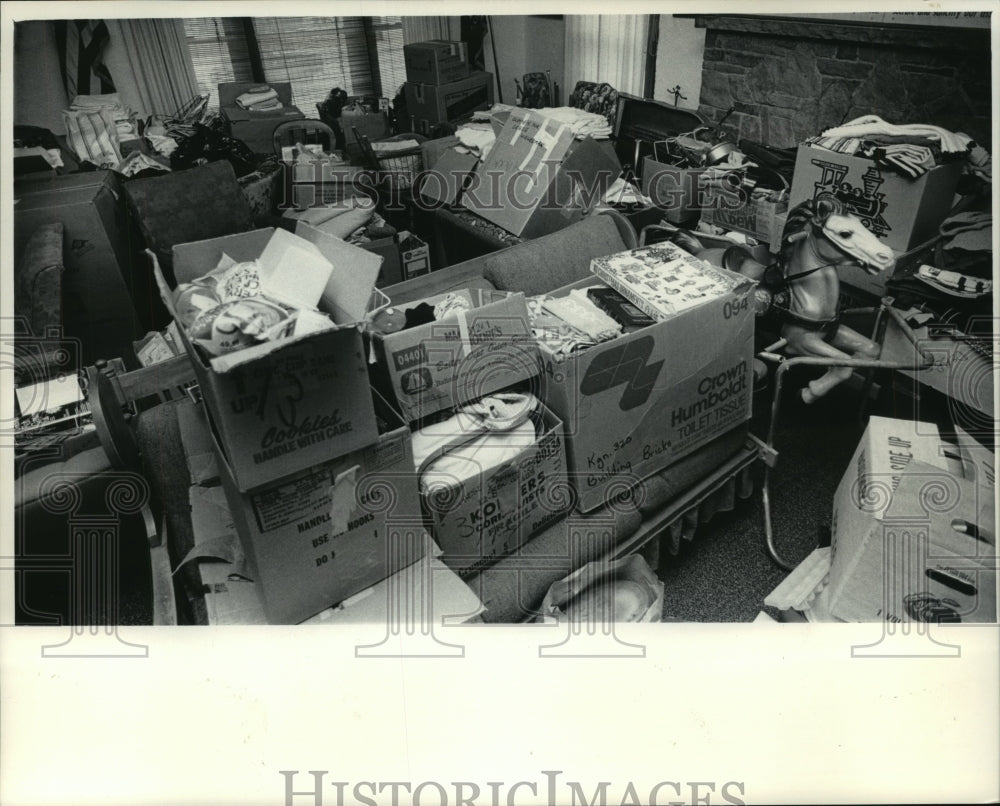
point(158, 75)
point(420, 29)
point(606, 48)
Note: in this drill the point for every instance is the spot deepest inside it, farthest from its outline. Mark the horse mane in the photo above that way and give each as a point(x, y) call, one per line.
point(810, 213)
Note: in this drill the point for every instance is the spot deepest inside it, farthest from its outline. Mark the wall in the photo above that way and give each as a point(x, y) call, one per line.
point(785, 90)
point(679, 56)
point(39, 94)
point(526, 44)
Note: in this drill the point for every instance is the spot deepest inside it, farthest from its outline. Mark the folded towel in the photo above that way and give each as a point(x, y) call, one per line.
point(257, 96)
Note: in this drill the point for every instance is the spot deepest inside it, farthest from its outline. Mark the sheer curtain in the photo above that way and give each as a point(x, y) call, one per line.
point(607, 48)
point(420, 29)
point(151, 65)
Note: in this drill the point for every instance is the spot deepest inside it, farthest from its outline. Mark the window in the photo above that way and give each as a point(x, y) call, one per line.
point(361, 55)
point(218, 47)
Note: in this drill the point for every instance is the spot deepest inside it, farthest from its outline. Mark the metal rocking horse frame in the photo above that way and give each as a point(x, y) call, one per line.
point(785, 363)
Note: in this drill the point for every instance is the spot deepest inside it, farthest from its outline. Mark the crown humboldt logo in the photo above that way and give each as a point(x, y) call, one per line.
point(866, 202)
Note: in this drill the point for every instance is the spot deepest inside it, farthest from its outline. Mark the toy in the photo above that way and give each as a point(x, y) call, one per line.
point(819, 237)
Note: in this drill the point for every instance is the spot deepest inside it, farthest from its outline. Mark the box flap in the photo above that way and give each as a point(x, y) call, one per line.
point(352, 280)
point(293, 270)
point(449, 176)
point(196, 258)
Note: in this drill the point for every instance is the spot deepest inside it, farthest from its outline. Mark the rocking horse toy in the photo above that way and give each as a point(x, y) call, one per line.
point(804, 286)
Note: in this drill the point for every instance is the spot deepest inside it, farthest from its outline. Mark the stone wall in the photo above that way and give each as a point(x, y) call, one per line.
point(790, 81)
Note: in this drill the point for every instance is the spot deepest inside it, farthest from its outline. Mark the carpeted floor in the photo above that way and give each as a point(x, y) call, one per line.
point(725, 573)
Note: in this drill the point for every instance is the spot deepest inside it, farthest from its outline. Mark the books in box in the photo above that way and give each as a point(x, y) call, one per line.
point(662, 280)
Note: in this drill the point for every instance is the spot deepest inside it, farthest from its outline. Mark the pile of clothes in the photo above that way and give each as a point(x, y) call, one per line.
point(122, 117)
point(96, 125)
point(582, 123)
point(911, 149)
point(570, 323)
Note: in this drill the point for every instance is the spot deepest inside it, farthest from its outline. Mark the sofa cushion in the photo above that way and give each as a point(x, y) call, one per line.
point(39, 279)
point(539, 266)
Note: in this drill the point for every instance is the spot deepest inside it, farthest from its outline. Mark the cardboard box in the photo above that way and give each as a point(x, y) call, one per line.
point(425, 593)
point(679, 192)
point(537, 179)
point(498, 507)
point(436, 61)
point(283, 406)
point(256, 129)
point(759, 218)
point(430, 104)
point(392, 267)
point(638, 403)
point(663, 280)
point(431, 150)
point(897, 555)
point(443, 364)
point(901, 212)
point(416, 258)
point(318, 536)
point(450, 175)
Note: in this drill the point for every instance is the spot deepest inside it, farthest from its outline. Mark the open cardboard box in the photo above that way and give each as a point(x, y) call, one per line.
point(285, 405)
point(443, 364)
point(537, 178)
point(639, 402)
point(498, 506)
point(900, 211)
point(913, 529)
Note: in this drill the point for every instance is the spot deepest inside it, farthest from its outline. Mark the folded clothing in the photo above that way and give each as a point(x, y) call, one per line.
point(256, 96)
point(577, 310)
point(866, 125)
point(970, 231)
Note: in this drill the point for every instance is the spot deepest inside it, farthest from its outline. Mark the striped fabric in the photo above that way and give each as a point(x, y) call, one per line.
point(81, 43)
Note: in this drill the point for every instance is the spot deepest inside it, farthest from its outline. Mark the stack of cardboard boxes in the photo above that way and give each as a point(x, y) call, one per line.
point(316, 469)
point(440, 88)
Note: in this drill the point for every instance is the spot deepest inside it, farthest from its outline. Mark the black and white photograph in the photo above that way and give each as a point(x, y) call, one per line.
point(424, 406)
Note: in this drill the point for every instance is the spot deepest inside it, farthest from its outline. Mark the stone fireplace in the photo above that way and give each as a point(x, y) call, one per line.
point(788, 79)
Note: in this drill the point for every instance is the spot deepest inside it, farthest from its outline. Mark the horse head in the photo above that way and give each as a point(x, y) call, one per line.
point(843, 234)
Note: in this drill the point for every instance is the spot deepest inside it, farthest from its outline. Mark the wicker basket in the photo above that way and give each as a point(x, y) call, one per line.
point(398, 168)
